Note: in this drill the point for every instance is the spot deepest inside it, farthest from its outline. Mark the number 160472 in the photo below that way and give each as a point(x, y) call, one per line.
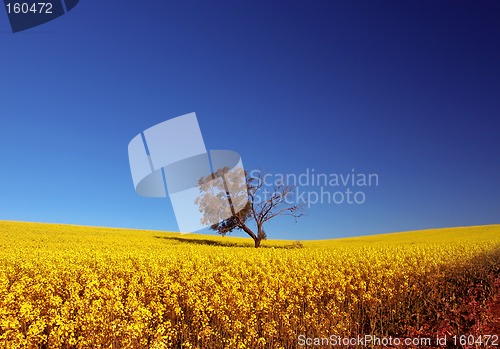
point(25, 8)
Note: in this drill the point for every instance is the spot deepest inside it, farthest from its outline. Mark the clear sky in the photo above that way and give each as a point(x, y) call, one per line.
point(407, 90)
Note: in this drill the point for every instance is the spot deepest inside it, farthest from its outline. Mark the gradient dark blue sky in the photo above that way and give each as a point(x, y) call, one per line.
point(409, 90)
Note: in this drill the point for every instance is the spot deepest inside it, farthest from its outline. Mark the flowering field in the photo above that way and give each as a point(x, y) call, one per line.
point(84, 287)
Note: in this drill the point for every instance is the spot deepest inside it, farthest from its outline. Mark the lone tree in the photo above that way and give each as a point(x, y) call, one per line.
point(248, 199)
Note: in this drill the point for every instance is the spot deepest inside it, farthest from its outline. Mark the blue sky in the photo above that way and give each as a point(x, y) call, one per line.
point(407, 90)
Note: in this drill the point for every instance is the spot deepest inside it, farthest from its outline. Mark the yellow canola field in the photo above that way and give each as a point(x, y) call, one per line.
point(65, 286)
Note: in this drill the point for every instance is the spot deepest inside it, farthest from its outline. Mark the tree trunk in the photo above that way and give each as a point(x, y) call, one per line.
point(261, 235)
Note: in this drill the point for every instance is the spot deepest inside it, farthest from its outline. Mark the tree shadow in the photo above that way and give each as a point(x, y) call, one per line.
point(208, 242)
point(202, 241)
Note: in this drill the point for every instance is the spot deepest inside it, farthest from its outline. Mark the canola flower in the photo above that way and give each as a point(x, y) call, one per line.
point(67, 286)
